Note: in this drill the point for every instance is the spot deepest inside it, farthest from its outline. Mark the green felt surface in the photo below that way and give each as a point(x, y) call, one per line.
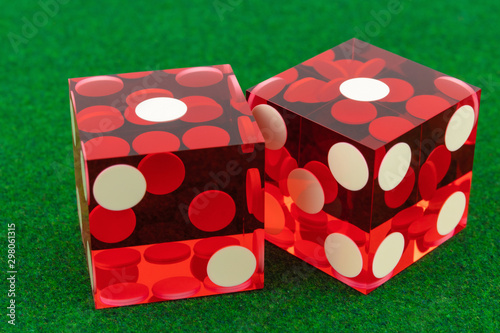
point(455, 288)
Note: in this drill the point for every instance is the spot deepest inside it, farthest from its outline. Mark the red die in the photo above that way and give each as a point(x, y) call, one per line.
point(371, 154)
point(161, 159)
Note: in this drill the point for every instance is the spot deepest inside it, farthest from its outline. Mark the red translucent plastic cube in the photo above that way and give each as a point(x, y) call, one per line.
point(368, 160)
point(161, 159)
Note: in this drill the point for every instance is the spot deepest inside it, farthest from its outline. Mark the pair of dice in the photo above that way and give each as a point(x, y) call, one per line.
point(357, 161)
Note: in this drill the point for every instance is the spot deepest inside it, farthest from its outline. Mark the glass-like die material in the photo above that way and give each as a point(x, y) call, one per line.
point(161, 159)
point(368, 160)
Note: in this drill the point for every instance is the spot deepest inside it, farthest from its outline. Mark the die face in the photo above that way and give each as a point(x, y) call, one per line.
point(161, 160)
point(363, 92)
point(376, 168)
point(189, 195)
point(152, 112)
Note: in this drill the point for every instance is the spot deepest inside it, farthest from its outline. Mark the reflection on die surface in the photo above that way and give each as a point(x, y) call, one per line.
point(161, 159)
point(368, 161)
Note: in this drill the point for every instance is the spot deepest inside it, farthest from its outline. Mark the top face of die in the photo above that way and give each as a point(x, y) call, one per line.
point(367, 94)
point(160, 111)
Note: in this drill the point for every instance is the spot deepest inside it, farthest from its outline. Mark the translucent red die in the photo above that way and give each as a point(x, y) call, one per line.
point(161, 162)
point(368, 161)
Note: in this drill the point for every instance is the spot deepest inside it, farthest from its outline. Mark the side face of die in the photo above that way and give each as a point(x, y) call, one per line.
point(161, 160)
point(369, 156)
